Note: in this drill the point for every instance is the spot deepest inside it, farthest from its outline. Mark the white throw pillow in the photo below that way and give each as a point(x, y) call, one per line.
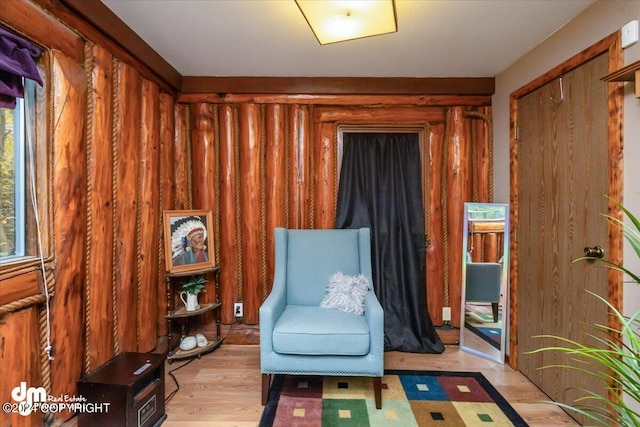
point(346, 293)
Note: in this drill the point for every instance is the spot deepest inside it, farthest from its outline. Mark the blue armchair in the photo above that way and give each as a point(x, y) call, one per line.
point(484, 284)
point(297, 336)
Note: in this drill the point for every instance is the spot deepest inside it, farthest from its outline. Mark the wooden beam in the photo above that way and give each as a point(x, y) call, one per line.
point(372, 114)
point(486, 226)
point(306, 99)
point(30, 21)
point(17, 286)
point(340, 85)
point(95, 21)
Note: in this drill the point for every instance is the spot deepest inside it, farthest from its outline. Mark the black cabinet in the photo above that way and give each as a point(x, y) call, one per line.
point(128, 390)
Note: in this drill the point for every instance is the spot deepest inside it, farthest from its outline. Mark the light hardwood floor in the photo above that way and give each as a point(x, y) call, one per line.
point(223, 387)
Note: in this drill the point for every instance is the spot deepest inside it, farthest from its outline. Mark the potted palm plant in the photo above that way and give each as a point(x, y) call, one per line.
point(190, 290)
point(615, 356)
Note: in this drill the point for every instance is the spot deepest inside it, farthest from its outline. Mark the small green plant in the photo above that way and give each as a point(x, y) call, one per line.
point(615, 356)
point(195, 284)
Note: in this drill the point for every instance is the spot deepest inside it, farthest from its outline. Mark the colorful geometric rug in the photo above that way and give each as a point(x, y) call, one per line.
point(479, 320)
point(409, 398)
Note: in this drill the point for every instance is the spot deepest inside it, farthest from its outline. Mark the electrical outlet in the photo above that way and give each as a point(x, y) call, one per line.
point(446, 314)
point(238, 309)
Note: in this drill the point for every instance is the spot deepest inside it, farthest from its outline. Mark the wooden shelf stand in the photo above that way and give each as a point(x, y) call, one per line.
point(178, 312)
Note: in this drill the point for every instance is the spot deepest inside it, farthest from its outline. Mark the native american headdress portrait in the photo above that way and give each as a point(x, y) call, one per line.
point(182, 230)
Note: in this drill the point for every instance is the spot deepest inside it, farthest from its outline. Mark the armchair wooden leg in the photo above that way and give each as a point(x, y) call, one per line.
point(377, 391)
point(494, 308)
point(266, 384)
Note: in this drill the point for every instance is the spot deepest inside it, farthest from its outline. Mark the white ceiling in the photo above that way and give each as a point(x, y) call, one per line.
point(435, 38)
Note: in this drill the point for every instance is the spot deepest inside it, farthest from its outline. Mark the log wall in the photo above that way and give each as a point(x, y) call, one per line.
point(279, 167)
point(108, 149)
point(120, 147)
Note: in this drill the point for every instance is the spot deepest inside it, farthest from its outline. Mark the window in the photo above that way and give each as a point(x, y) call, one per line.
point(16, 213)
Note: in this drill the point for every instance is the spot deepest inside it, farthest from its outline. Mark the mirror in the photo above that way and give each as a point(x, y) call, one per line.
point(485, 267)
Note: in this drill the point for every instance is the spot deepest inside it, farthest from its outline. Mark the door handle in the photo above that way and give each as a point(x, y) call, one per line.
point(595, 252)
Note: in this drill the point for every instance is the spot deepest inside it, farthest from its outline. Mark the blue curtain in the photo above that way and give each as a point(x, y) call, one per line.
point(18, 58)
point(381, 188)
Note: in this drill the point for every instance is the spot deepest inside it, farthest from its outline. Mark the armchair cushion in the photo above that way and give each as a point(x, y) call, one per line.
point(318, 331)
point(346, 293)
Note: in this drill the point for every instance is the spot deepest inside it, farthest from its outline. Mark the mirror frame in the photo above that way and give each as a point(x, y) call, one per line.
point(504, 298)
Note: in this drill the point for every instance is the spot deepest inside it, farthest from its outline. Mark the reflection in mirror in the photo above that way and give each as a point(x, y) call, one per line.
point(485, 264)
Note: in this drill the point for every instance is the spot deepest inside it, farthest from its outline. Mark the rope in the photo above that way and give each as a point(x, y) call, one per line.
point(21, 303)
point(287, 168)
point(45, 361)
point(426, 191)
point(189, 163)
point(334, 160)
point(51, 153)
point(49, 279)
point(88, 67)
point(263, 202)
point(300, 167)
point(312, 170)
point(161, 260)
point(138, 234)
point(216, 182)
point(445, 218)
point(474, 163)
point(238, 216)
point(114, 195)
point(489, 122)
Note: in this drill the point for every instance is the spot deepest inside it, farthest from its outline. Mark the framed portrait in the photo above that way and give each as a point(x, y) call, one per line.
point(188, 241)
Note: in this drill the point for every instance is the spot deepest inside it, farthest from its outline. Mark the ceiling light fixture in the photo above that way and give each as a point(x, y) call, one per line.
point(334, 20)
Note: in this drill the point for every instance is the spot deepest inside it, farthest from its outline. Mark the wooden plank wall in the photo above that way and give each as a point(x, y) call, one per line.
point(274, 163)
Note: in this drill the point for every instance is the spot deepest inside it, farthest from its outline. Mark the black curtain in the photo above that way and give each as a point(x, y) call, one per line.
point(381, 188)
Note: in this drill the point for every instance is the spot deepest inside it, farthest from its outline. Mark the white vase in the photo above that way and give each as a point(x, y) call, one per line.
point(191, 302)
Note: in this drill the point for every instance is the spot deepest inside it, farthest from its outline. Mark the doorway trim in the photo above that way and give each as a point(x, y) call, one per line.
point(612, 45)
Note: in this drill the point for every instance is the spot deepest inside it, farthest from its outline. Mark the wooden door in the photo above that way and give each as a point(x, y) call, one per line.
point(562, 186)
